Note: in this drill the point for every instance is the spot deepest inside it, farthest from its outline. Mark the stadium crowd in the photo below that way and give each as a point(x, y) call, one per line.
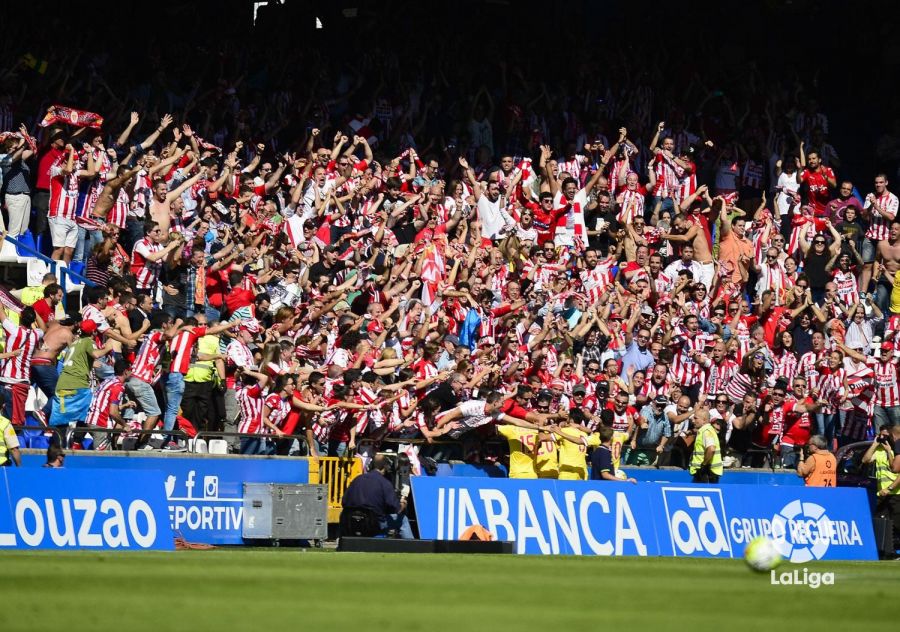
point(448, 267)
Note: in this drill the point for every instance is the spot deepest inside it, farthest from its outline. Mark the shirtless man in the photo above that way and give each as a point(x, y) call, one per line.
point(117, 317)
point(43, 363)
point(110, 193)
point(161, 204)
point(887, 264)
point(695, 235)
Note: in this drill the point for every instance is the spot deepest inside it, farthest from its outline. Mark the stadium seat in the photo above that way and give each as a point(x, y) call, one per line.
point(8, 253)
point(35, 269)
point(218, 446)
point(77, 267)
point(27, 240)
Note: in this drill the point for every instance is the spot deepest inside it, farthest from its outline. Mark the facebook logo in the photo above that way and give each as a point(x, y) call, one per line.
point(697, 522)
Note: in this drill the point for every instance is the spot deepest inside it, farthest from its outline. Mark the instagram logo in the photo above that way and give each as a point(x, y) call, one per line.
point(210, 486)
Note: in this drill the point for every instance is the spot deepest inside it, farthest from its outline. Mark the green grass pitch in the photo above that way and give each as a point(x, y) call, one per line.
point(290, 589)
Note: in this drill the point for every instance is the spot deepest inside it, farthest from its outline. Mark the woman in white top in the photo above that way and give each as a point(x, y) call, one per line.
point(788, 184)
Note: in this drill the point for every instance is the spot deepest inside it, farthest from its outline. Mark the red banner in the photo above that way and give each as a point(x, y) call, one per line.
point(69, 116)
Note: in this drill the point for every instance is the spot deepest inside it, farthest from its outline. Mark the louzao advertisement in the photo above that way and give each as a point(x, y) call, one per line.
point(79, 509)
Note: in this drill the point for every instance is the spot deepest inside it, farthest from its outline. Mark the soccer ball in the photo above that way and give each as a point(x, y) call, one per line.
point(761, 554)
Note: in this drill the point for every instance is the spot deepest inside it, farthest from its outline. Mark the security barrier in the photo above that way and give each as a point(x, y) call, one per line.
point(336, 472)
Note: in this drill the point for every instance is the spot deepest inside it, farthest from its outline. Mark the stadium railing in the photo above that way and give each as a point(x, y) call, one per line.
point(206, 435)
point(62, 272)
point(336, 472)
point(65, 432)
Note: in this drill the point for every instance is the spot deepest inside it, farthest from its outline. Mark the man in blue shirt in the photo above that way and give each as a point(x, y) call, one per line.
point(372, 491)
point(653, 434)
point(602, 467)
point(637, 348)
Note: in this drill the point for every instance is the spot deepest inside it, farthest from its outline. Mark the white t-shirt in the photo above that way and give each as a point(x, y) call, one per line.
point(786, 183)
point(729, 420)
point(682, 426)
point(473, 416)
point(493, 218)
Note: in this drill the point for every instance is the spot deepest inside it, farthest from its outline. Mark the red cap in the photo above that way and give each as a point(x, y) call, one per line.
point(88, 327)
point(557, 384)
point(887, 346)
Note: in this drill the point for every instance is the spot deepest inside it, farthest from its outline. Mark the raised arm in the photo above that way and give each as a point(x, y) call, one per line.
point(123, 137)
point(164, 122)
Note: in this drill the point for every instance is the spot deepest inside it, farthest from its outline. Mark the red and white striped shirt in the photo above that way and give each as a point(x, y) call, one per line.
point(847, 287)
point(425, 370)
point(786, 366)
point(595, 281)
point(631, 205)
point(144, 367)
point(887, 391)
point(573, 167)
point(181, 347)
point(278, 410)
point(239, 354)
point(666, 178)
point(832, 390)
point(18, 368)
point(687, 184)
point(92, 312)
point(809, 368)
point(118, 214)
point(145, 272)
point(108, 393)
point(365, 417)
point(879, 228)
point(63, 190)
point(650, 390)
point(684, 369)
point(716, 376)
point(250, 400)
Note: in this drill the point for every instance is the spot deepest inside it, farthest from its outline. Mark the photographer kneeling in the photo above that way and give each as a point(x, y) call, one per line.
point(373, 492)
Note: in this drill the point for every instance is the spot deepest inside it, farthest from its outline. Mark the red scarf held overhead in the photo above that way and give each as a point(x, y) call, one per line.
point(70, 116)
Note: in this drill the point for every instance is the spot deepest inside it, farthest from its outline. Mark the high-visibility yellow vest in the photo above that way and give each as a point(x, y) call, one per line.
point(32, 294)
point(204, 370)
point(697, 457)
point(883, 474)
point(4, 450)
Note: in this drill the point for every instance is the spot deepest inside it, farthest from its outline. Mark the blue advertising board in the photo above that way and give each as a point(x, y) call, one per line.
point(606, 518)
point(205, 494)
point(78, 509)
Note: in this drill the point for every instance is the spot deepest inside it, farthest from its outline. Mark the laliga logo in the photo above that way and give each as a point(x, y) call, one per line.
point(800, 531)
point(696, 522)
